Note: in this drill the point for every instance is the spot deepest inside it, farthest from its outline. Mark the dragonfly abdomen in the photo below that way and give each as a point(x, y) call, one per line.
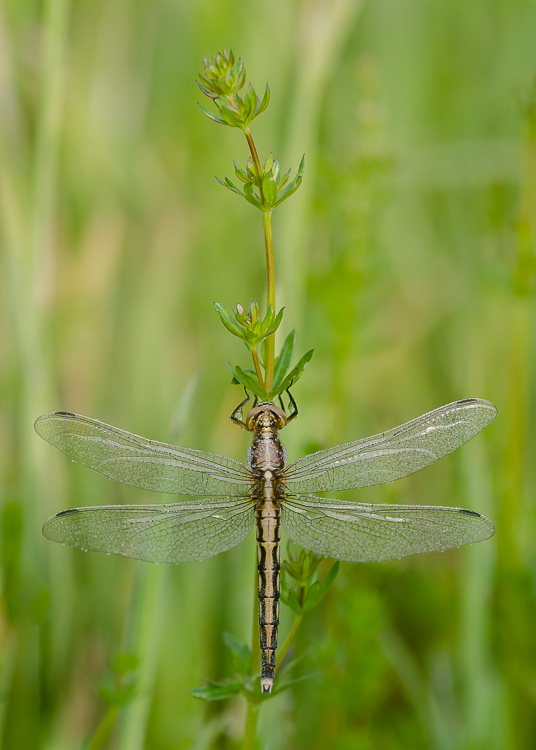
point(268, 523)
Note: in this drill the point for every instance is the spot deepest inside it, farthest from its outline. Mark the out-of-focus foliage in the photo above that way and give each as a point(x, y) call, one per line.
point(406, 260)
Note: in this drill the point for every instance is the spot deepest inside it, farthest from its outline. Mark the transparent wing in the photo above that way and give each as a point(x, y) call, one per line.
point(140, 462)
point(175, 533)
point(360, 532)
point(394, 454)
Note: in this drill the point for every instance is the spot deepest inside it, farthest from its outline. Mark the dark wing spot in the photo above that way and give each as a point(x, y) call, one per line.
point(469, 512)
point(70, 511)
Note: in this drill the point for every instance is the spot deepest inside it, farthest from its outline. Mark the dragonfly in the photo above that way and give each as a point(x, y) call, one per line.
point(231, 498)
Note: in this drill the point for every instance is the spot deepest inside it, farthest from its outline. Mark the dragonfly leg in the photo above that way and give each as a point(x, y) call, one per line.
point(294, 405)
point(236, 416)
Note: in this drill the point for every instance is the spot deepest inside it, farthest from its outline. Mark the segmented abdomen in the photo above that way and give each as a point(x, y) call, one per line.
point(268, 523)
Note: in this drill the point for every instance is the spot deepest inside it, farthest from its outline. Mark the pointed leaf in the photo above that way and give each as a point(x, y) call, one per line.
point(252, 384)
point(268, 319)
point(228, 321)
point(240, 173)
point(280, 686)
point(320, 588)
point(290, 600)
point(265, 100)
point(229, 113)
point(285, 357)
point(296, 373)
point(292, 186)
point(275, 325)
point(228, 184)
point(241, 654)
point(210, 115)
point(269, 192)
point(250, 102)
point(217, 691)
point(205, 88)
point(254, 312)
point(251, 197)
point(283, 181)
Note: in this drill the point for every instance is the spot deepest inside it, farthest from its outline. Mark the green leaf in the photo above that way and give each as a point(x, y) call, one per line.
point(265, 100)
point(250, 196)
point(295, 374)
point(211, 115)
point(217, 691)
point(282, 363)
point(320, 588)
point(250, 103)
point(124, 662)
point(206, 89)
point(252, 384)
point(281, 685)
point(269, 191)
point(241, 654)
point(288, 595)
point(292, 186)
point(247, 370)
point(229, 114)
point(228, 320)
point(239, 172)
point(228, 184)
point(118, 695)
point(290, 600)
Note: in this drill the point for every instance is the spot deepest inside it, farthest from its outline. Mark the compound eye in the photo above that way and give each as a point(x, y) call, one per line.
point(251, 417)
point(281, 416)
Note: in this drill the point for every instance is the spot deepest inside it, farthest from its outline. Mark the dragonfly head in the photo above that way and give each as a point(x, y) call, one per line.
point(265, 415)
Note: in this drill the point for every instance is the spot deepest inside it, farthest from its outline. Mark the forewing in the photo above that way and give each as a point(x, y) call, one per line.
point(175, 533)
point(394, 454)
point(360, 532)
point(140, 462)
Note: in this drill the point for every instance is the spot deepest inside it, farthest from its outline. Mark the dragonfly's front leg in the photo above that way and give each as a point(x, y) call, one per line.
point(294, 405)
point(237, 413)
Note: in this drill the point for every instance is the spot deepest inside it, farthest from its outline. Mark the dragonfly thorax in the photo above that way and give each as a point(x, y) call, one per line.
point(265, 416)
point(266, 453)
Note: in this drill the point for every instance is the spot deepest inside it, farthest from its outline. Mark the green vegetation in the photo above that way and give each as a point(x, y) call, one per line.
point(406, 259)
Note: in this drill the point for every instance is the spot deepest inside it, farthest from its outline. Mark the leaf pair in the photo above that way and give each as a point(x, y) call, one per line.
point(247, 323)
point(307, 591)
point(268, 189)
point(282, 380)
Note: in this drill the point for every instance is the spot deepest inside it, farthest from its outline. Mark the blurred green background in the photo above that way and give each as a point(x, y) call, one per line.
point(407, 260)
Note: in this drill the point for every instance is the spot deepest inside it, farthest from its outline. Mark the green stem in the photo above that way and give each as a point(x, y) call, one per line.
point(255, 157)
point(288, 640)
point(270, 268)
point(104, 730)
point(270, 301)
point(251, 726)
point(257, 367)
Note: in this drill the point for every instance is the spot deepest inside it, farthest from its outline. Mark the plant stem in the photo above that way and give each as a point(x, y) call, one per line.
point(104, 730)
point(257, 367)
point(251, 726)
point(270, 269)
point(288, 641)
point(270, 298)
point(254, 156)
